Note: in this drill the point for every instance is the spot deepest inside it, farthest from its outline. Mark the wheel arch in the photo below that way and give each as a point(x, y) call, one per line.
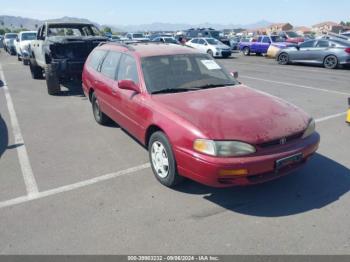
point(150, 131)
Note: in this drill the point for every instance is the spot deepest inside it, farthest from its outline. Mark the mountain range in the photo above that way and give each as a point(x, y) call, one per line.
point(15, 22)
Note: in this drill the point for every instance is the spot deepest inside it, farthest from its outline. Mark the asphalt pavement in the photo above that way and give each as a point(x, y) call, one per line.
point(70, 186)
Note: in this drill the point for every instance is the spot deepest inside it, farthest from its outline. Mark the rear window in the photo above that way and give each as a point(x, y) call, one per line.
point(96, 58)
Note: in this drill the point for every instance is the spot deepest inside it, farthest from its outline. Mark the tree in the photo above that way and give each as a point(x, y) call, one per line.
point(2, 31)
point(107, 30)
point(2, 23)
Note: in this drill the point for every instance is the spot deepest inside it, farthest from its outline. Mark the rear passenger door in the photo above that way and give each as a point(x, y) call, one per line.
point(108, 91)
point(265, 44)
point(320, 50)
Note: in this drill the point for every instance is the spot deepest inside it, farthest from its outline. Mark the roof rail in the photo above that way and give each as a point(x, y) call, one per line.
point(121, 44)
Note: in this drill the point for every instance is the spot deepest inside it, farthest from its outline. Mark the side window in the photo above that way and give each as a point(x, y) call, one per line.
point(110, 64)
point(307, 44)
point(259, 39)
point(266, 40)
point(128, 69)
point(322, 43)
point(201, 42)
point(96, 58)
point(195, 41)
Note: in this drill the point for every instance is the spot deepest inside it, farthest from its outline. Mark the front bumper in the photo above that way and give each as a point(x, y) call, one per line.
point(261, 168)
point(223, 53)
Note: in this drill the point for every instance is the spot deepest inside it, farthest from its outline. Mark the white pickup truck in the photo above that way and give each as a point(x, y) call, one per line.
point(60, 51)
point(22, 44)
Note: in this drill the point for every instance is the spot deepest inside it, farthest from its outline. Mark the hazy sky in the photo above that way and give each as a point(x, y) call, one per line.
point(297, 12)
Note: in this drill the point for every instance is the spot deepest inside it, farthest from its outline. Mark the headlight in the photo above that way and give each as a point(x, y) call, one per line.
point(223, 148)
point(310, 129)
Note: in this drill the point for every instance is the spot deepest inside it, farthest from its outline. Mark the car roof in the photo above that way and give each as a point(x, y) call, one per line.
point(150, 49)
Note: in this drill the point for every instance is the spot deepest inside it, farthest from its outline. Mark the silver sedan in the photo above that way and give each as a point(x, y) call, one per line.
point(327, 52)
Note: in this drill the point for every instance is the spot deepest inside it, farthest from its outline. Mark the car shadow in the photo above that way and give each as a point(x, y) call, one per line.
point(320, 183)
point(72, 88)
point(3, 136)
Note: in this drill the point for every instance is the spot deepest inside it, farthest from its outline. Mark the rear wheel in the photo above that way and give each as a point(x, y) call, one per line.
point(283, 59)
point(52, 80)
point(25, 62)
point(36, 71)
point(330, 62)
point(163, 161)
point(246, 51)
point(99, 116)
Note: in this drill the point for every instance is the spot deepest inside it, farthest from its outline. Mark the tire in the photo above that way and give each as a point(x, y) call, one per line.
point(25, 62)
point(246, 51)
point(52, 81)
point(19, 58)
point(331, 62)
point(283, 59)
point(100, 117)
point(210, 53)
point(163, 161)
point(36, 71)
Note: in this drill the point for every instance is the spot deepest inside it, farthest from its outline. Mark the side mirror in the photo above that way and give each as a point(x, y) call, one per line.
point(234, 74)
point(128, 85)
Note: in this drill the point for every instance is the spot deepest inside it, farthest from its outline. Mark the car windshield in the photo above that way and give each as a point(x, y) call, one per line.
point(215, 34)
point(73, 30)
point(180, 73)
point(28, 36)
point(212, 41)
point(11, 36)
point(277, 39)
point(138, 36)
point(292, 34)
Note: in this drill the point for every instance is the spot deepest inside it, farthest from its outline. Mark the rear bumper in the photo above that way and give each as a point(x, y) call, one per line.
point(262, 168)
point(66, 67)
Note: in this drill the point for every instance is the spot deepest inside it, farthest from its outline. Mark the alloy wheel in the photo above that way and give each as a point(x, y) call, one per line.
point(160, 160)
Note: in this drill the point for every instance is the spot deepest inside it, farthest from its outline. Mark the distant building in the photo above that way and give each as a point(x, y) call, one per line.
point(278, 27)
point(326, 27)
point(302, 30)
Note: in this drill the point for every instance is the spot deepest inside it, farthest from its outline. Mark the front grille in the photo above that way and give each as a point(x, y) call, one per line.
point(278, 141)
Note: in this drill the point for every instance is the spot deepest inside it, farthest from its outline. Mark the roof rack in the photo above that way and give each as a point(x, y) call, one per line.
point(125, 44)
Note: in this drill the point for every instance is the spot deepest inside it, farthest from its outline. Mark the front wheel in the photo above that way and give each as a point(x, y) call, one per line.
point(330, 62)
point(163, 161)
point(246, 51)
point(210, 53)
point(283, 59)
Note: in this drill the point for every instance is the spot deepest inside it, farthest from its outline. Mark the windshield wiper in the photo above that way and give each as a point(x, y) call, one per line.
point(208, 86)
point(173, 90)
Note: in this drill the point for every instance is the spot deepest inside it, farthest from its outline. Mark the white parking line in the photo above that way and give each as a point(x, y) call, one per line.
point(296, 85)
point(292, 68)
point(27, 172)
point(71, 187)
point(322, 119)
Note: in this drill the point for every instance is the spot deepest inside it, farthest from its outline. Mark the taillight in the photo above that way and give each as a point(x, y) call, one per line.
point(347, 50)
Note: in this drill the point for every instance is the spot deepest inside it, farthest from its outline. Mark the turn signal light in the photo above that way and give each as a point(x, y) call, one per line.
point(233, 172)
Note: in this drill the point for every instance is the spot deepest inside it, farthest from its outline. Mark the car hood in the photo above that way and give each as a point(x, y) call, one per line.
point(236, 113)
point(70, 39)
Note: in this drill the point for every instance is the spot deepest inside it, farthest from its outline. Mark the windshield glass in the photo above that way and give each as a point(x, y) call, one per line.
point(11, 36)
point(73, 30)
point(183, 72)
point(212, 41)
point(138, 36)
point(277, 39)
point(28, 36)
point(215, 34)
point(292, 34)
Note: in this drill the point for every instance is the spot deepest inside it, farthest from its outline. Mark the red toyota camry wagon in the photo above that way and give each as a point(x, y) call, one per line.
point(196, 119)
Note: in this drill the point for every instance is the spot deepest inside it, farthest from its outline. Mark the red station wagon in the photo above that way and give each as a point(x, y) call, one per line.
point(196, 119)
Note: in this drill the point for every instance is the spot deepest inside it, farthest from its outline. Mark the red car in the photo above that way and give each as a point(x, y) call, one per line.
point(196, 119)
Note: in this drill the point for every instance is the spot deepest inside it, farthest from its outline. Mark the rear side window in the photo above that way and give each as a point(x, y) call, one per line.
point(110, 64)
point(266, 40)
point(96, 58)
point(128, 69)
